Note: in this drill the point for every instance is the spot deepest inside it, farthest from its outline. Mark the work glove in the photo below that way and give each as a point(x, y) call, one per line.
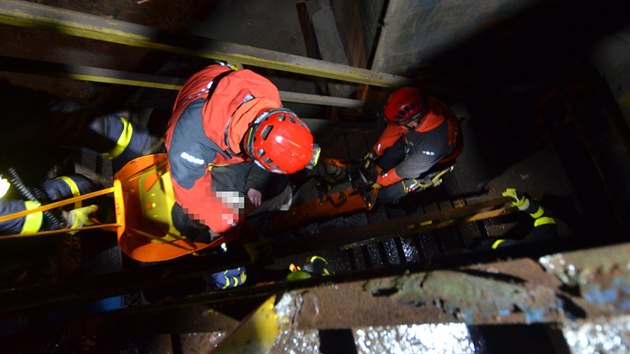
point(4, 186)
point(518, 199)
point(369, 159)
point(80, 217)
point(258, 249)
point(364, 179)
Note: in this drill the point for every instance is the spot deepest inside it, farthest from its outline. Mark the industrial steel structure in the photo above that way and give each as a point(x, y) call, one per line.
point(549, 116)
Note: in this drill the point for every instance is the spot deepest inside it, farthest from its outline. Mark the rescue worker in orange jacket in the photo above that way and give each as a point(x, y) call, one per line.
point(422, 137)
point(227, 117)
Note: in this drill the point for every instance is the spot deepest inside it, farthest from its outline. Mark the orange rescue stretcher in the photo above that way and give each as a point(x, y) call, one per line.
point(143, 199)
point(147, 233)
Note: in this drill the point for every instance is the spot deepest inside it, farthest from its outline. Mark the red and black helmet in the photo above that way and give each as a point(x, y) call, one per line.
point(280, 142)
point(405, 105)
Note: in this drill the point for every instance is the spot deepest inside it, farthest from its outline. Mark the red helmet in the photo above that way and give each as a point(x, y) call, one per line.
point(404, 105)
point(280, 142)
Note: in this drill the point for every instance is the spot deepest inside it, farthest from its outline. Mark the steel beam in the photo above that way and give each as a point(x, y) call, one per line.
point(256, 334)
point(411, 224)
point(564, 288)
point(559, 288)
point(32, 15)
point(117, 77)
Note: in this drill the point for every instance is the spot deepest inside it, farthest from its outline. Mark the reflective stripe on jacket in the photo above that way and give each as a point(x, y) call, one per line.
point(65, 187)
point(24, 225)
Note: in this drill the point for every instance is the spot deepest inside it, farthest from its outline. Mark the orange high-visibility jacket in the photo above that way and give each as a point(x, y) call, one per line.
point(202, 133)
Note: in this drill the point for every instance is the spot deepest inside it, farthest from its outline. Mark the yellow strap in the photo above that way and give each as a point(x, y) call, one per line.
point(545, 220)
point(123, 141)
point(54, 205)
point(235, 280)
point(63, 231)
point(436, 180)
point(212, 165)
point(243, 277)
point(73, 188)
point(32, 222)
point(538, 213)
point(496, 243)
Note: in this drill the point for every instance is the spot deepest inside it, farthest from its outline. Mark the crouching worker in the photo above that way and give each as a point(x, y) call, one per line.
point(543, 227)
point(419, 144)
point(51, 190)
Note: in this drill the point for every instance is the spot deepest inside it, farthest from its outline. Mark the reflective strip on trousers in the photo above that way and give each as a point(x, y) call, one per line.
point(538, 213)
point(545, 220)
point(32, 222)
point(229, 284)
point(235, 281)
point(496, 243)
point(73, 188)
point(123, 141)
